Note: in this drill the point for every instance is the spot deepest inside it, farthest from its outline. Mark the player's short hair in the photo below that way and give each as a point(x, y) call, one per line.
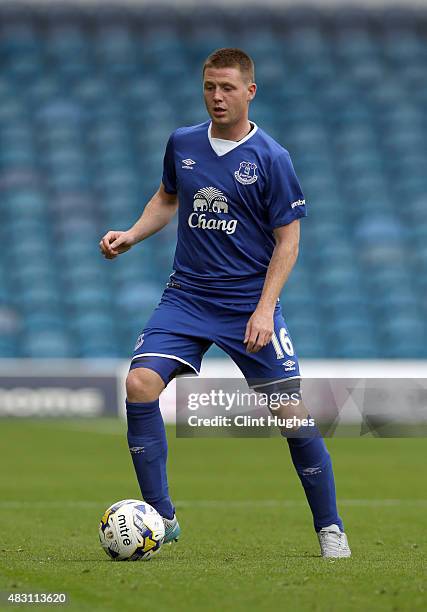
point(229, 57)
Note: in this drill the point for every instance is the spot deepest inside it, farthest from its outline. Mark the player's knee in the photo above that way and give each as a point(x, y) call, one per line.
point(285, 402)
point(286, 394)
point(143, 385)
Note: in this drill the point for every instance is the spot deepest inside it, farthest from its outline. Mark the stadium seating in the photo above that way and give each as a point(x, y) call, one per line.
point(88, 99)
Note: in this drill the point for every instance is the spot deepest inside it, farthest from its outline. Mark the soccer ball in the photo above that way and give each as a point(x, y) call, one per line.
point(131, 530)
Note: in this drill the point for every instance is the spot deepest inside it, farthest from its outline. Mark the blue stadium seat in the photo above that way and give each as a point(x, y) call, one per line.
point(87, 297)
point(92, 323)
point(47, 344)
point(8, 347)
point(46, 320)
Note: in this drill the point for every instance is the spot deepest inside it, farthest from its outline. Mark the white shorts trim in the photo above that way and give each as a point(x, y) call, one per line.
point(273, 382)
point(167, 357)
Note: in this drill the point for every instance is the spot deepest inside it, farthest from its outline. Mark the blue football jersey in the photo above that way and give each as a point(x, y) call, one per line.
point(228, 208)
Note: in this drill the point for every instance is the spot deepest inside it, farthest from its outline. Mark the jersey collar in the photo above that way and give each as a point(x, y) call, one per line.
point(222, 147)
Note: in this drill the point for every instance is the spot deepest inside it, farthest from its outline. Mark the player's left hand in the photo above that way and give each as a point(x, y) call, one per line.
point(259, 330)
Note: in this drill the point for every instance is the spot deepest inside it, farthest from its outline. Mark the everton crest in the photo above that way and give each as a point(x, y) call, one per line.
point(246, 174)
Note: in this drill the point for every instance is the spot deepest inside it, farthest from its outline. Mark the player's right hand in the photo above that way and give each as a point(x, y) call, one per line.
point(115, 243)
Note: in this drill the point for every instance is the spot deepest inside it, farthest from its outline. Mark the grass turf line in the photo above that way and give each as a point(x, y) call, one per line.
point(57, 477)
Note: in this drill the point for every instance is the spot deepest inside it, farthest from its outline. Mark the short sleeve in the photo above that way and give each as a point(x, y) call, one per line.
point(284, 198)
point(169, 172)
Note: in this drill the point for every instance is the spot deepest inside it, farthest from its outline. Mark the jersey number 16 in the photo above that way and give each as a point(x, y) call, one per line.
point(282, 344)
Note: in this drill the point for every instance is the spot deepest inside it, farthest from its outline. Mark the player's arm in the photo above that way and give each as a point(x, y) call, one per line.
point(260, 327)
point(158, 212)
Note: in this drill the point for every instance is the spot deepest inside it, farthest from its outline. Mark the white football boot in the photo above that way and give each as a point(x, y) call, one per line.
point(172, 530)
point(333, 543)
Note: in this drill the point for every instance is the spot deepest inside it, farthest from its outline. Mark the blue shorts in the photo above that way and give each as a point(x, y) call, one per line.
point(185, 325)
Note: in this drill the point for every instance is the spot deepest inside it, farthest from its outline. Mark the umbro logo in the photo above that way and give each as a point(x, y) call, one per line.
point(139, 342)
point(311, 471)
point(188, 164)
point(289, 365)
point(136, 450)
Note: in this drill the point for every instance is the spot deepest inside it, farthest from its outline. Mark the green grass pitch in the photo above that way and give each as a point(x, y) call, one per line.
point(247, 541)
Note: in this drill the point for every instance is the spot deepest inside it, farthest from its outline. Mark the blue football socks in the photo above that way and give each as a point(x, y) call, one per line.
point(314, 467)
point(149, 449)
